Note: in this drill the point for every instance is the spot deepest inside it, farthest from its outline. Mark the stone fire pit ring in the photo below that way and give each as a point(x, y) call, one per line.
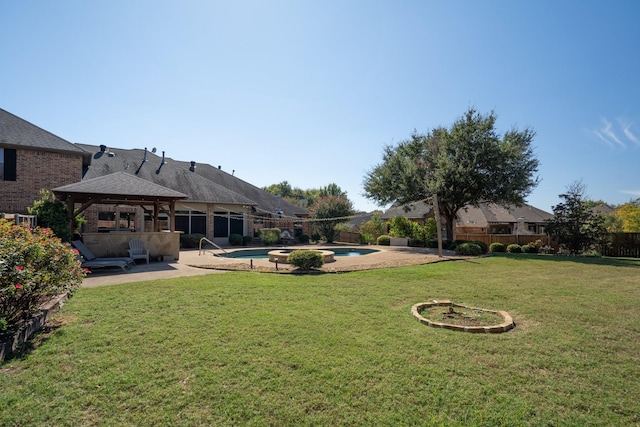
point(505, 326)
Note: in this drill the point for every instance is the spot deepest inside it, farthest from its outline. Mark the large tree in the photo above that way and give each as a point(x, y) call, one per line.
point(329, 211)
point(628, 216)
point(575, 225)
point(467, 164)
point(306, 197)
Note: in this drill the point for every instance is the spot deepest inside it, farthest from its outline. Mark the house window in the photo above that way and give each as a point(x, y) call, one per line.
point(7, 164)
point(220, 224)
point(225, 223)
point(191, 222)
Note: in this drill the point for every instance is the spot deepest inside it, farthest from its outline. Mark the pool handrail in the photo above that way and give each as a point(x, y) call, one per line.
point(200, 250)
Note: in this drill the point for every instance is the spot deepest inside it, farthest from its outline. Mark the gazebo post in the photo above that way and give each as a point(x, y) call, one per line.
point(172, 215)
point(156, 217)
point(70, 214)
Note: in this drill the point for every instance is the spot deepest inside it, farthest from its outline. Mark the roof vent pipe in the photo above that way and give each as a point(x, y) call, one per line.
point(192, 168)
point(219, 167)
point(163, 160)
point(103, 148)
point(144, 160)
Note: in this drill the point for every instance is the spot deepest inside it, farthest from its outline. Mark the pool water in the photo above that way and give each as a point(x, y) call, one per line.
point(264, 253)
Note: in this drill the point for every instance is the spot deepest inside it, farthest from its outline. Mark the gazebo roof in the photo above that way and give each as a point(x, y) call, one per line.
point(117, 187)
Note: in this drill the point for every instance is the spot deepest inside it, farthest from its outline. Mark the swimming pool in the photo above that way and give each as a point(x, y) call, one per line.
point(264, 253)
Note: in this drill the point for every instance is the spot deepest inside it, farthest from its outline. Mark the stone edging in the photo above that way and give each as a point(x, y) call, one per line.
point(33, 325)
point(502, 327)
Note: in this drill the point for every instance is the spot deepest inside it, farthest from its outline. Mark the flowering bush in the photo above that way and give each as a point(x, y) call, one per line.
point(34, 266)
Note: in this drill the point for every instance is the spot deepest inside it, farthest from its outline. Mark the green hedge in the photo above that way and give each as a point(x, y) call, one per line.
point(270, 236)
point(469, 248)
point(514, 249)
point(191, 240)
point(497, 247)
point(384, 240)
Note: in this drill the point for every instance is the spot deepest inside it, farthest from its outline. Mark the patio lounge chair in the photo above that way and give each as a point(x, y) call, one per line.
point(90, 260)
point(137, 250)
point(100, 263)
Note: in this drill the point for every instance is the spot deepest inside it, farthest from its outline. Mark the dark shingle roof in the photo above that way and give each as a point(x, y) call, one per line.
point(417, 210)
point(489, 213)
point(19, 133)
point(171, 174)
point(121, 184)
point(481, 216)
point(266, 202)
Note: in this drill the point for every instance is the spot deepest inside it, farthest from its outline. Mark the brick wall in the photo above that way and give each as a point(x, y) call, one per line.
point(36, 170)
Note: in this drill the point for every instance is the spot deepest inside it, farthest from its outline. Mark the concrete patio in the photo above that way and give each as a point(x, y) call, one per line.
point(193, 263)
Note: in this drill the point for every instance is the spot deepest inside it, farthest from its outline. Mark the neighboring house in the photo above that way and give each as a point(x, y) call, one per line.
point(357, 220)
point(495, 219)
point(418, 212)
point(32, 159)
point(603, 208)
point(488, 222)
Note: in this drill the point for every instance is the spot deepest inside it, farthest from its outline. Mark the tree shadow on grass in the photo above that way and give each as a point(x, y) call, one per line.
point(586, 260)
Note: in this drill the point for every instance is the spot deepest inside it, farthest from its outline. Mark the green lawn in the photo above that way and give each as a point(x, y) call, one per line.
point(341, 349)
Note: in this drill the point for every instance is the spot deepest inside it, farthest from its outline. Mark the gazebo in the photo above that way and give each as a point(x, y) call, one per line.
point(122, 188)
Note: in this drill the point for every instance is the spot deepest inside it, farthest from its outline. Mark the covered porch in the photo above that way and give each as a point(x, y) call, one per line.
point(121, 188)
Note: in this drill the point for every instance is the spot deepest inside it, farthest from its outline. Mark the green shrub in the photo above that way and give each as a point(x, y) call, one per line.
point(303, 238)
point(270, 236)
point(53, 214)
point(246, 240)
point(235, 239)
point(191, 240)
point(366, 238)
point(447, 244)
point(468, 248)
point(497, 247)
point(401, 226)
point(416, 242)
point(482, 245)
point(514, 249)
point(306, 259)
point(431, 243)
point(315, 237)
point(529, 249)
point(34, 266)
point(384, 240)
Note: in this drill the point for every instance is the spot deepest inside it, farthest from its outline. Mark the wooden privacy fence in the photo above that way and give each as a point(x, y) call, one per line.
point(622, 245)
point(507, 239)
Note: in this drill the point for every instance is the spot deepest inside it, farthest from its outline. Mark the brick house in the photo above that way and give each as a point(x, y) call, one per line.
point(32, 159)
point(219, 204)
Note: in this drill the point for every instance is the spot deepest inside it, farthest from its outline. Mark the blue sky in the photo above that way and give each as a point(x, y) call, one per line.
point(311, 91)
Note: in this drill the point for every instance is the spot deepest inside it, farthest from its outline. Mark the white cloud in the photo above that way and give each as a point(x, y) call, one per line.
point(608, 134)
point(632, 192)
point(630, 135)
